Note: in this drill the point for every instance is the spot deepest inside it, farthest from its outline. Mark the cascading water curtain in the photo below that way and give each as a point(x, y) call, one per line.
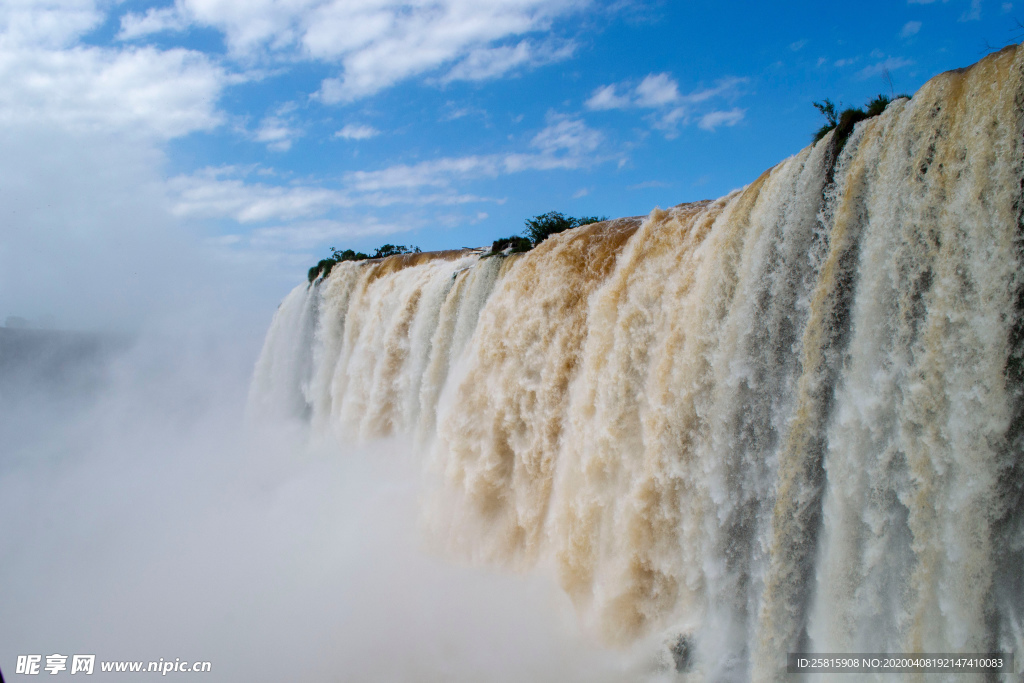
point(787, 419)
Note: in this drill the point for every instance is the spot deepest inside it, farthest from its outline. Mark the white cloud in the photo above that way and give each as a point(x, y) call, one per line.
point(660, 92)
point(226, 192)
point(565, 143)
point(648, 184)
point(357, 132)
point(46, 23)
point(605, 97)
point(278, 133)
point(223, 192)
point(655, 90)
point(569, 135)
point(45, 78)
point(155, 20)
point(492, 62)
point(437, 173)
point(582, 192)
point(311, 234)
point(669, 121)
point(484, 63)
point(455, 112)
point(797, 46)
point(1007, 7)
point(910, 29)
point(714, 119)
point(144, 91)
point(974, 13)
point(889, 64)
point(726, 87)
point(378, 43)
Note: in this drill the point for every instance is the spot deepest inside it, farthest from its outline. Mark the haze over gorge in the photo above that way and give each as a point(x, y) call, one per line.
point(785, 419)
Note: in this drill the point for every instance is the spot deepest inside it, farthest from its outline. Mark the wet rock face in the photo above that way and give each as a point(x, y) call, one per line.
point(51, 361)
point(681, 652)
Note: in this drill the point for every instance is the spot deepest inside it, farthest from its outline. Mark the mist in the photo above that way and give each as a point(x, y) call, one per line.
point(142, 517)
point(151, 523)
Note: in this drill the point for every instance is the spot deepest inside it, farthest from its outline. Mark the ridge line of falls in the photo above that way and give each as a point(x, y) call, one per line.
point(786, 419)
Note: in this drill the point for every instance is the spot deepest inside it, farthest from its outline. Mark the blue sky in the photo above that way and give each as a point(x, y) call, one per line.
point(262, 132)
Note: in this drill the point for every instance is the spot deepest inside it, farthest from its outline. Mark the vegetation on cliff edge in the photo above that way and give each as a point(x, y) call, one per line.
point(539, 228)
point(324, 266)
point(844, 121)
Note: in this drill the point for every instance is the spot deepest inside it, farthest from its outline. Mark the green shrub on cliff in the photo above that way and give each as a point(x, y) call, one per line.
point(324, 266)
point(394, 250)
point(519, 244)
point(347, 255)
point(539, 228)
point(843, 122)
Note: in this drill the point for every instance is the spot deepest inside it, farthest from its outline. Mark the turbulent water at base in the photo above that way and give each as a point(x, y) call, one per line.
point(787, 419)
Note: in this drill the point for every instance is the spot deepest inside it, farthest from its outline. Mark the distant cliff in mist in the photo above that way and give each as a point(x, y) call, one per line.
point(58, 363)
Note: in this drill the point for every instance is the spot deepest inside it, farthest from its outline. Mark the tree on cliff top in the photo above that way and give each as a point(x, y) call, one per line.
point(844, 121)
point(324, 267)
point(539, 228)
point(394, 250)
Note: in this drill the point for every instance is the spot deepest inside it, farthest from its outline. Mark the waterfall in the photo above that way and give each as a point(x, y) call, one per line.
point(791, 418)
